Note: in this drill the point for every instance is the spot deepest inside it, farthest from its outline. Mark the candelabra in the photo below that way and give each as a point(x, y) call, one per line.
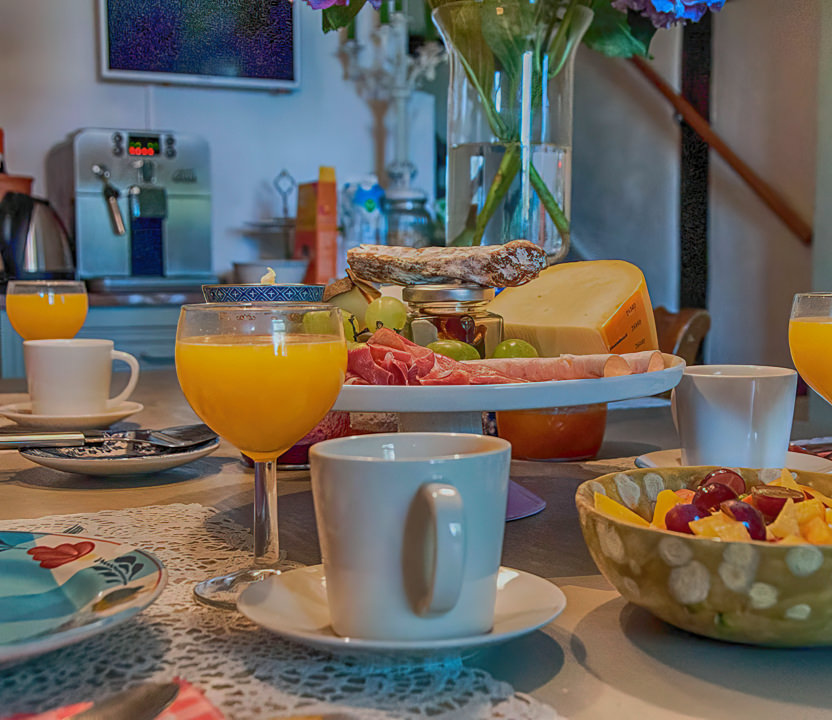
point(386, 74)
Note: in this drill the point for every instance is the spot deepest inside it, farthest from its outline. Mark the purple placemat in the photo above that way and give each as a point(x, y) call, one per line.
point(522, 503)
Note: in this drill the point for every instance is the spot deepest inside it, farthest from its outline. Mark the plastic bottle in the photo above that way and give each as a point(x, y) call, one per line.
point(363, 219)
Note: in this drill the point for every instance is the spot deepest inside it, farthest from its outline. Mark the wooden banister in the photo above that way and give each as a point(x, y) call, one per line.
point(702, 127)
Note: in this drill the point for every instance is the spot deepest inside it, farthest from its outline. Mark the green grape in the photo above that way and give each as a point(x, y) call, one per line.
point(386, 312)
point(514, 348)
point(318, 322)
point(455, 349)
point(350, 325)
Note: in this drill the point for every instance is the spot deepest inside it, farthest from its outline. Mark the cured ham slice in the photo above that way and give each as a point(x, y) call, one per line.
point(645, 361)
point(390, 359)
point(565, 367)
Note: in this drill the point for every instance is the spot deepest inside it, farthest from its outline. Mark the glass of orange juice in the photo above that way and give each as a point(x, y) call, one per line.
point(810, 340)
point(46, 309)
point(261, 376)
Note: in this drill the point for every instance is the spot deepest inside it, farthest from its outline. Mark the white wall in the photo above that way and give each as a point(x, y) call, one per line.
point(765, 106)
point(49, 87)
point(625, 175)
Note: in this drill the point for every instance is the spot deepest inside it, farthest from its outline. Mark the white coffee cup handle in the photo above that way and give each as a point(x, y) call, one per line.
point(445, 583)
point(131, 383)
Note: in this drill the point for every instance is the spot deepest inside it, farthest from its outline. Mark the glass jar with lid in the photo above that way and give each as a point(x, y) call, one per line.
point(409, 223)
point(453, 312)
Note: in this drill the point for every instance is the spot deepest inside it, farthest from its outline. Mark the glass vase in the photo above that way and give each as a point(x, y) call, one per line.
point(510, 119)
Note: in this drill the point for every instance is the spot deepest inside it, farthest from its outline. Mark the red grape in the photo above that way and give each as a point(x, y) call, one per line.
point(678, 517)
point(726, 477)
point(770, 499)
point(709, 497)
point(748, 515)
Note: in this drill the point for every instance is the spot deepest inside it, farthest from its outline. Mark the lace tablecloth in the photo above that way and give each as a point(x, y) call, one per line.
point(245, 671)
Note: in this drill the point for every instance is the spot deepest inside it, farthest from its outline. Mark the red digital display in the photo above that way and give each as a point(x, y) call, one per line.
point(145, 145)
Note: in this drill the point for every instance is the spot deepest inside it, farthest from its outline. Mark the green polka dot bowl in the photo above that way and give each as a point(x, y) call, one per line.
point(753, 592)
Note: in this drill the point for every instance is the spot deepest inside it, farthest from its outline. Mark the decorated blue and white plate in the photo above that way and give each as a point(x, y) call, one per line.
point(59, 589)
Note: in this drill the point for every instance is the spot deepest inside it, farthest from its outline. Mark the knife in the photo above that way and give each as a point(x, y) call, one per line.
point(181, 436)
point(142, 702)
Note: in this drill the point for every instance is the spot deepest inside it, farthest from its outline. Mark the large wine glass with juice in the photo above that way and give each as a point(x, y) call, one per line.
point(261, 376)
point(46, 309)
point(810, 340)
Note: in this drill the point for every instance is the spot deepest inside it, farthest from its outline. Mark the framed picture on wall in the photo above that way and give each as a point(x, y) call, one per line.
point(235, 43)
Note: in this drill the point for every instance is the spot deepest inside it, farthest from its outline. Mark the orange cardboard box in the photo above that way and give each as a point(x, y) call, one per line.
point(316, 232)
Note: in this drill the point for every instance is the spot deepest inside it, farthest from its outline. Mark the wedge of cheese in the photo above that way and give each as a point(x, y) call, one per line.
point(594, 306)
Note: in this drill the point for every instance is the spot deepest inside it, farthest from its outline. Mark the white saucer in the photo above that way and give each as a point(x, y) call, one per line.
point(794, 461)
point(115, 463)
point(21, 413)
point(294, 606)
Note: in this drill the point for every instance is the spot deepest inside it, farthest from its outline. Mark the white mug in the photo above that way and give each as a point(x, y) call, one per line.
point(411, 532)
point(72, 377)
point(735, 415)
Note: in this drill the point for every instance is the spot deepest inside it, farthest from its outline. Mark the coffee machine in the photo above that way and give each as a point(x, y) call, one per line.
point(138, 203)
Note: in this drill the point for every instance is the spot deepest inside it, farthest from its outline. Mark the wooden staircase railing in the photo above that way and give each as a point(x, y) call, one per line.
point(776, 202)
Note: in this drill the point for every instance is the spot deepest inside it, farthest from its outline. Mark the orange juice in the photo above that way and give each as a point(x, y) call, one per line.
point(810, 341)
point(261, 393)
point(47, 315)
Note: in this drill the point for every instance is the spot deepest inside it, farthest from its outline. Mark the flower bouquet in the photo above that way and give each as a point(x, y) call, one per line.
point(510, 103)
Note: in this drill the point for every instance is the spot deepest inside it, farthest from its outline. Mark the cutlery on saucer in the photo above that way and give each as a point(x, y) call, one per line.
point(179, 437)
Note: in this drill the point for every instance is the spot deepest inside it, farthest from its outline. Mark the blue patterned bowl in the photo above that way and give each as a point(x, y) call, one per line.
point(262, 293)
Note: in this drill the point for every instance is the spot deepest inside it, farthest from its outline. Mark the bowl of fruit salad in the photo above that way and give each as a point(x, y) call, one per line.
point(734, 554)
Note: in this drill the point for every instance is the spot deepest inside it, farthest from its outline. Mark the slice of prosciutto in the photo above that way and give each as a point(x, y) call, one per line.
point(390, 359)
point(574, 367)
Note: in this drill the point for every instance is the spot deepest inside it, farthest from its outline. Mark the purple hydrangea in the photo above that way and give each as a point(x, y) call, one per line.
point(664, 13)
point(324, 4)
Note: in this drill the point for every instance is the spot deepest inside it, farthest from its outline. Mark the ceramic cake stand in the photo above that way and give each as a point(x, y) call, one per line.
point(459, 408)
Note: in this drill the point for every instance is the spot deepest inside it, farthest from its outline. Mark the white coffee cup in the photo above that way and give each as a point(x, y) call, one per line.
point(411, 532)
point(735, 415)
point(72, 377)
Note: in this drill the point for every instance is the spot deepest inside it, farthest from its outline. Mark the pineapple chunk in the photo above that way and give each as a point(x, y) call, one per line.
point(785, 523)
point(817, 532)
point(610, 507)
point(665, 500)
point(719, 526)
point(807, 510)
point(825, 499)
point(786, 480)
point(828, 513)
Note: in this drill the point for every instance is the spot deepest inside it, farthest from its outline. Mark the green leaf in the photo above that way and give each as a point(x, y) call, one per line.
point(617, 34)
point(338, 16)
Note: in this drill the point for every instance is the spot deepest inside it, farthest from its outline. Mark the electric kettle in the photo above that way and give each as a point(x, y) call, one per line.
point(34, 243)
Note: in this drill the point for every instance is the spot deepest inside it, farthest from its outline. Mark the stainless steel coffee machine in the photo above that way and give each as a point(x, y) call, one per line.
point(138, 203)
